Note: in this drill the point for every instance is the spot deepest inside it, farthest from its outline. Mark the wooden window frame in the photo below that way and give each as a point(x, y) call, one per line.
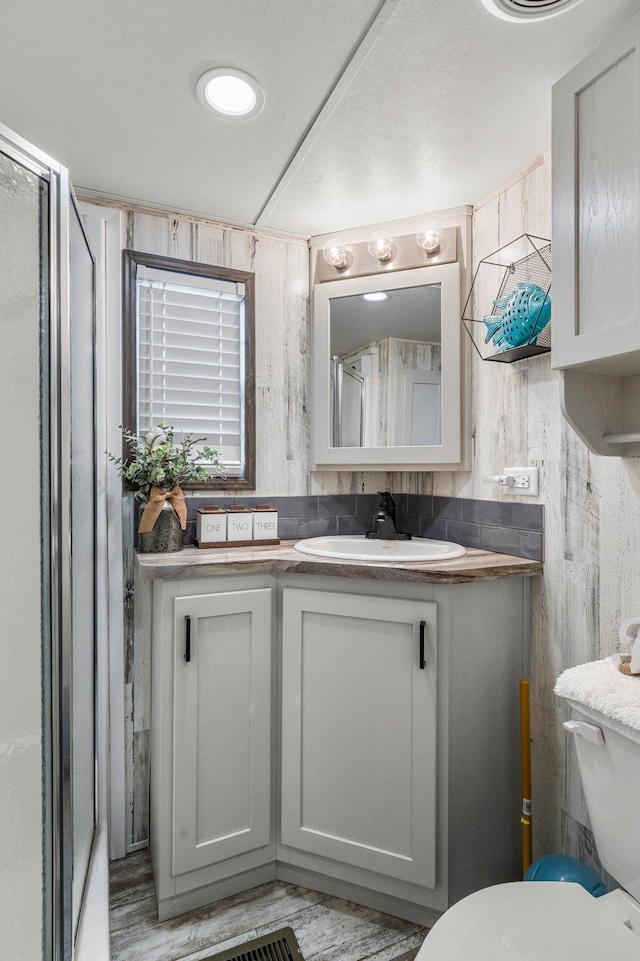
point(130, 260)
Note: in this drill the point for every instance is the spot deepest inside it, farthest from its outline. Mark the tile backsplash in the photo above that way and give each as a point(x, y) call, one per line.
point(491, 525)
point(508, 528)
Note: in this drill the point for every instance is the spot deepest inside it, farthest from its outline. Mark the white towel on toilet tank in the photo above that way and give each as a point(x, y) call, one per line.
point(600, 686)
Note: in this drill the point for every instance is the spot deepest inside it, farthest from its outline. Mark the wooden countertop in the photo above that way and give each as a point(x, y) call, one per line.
point(477, 565)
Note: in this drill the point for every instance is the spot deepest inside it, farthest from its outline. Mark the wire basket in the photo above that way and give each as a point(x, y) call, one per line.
point(512, 285)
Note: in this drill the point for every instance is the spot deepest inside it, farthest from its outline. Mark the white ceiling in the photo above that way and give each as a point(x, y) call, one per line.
point(430, 105)
point(412, 313)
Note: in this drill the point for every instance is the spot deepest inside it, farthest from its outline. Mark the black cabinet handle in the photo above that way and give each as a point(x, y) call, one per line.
point(423, 663)
point(187, 646)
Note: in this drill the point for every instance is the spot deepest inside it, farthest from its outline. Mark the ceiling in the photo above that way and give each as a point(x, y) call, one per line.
point(410, 313)
point(375, 109)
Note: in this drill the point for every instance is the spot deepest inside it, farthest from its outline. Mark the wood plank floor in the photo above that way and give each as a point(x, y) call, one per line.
point(327, 929)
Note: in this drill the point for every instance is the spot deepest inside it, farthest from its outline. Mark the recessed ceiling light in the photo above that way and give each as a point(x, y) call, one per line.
point(528, 9)
point(233, 93)
point(375, 296)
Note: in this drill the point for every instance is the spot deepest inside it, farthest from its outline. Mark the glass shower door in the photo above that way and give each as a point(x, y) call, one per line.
point(47, 567)
point(348, 405)
point(25, 737)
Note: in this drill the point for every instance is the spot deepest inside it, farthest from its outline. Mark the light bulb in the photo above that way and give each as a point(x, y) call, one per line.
point(380, 246)
point(428, 237)
point(335, 253)
point(375, 296)
point(233, 93)
point(230, 95)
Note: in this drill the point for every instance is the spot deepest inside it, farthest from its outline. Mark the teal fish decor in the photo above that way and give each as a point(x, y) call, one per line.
point(520, 317)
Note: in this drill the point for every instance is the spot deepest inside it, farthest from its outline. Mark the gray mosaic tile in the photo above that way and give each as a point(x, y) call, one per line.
point(504, 540)
point(334, 505)
point(421, 504)
point(507, 540)
point(433, 527)
point(254, 501)
point(526, 517)
point(448, 508)
point(531, 545)
point(316, 526)
point(369, 503)
point(297, 506)
point(460, 533)
point(355, 524)
point(410, 524)
point(288, 528)
point(480, 512)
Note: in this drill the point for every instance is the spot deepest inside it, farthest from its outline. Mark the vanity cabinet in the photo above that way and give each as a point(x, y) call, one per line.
point(353, 736)
point(222, 720)
point(212, 734)
point(359, 721)
point(596, 241)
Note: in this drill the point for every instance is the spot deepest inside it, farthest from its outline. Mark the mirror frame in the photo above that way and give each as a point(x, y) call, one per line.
point(445, 456)
point(131, 259)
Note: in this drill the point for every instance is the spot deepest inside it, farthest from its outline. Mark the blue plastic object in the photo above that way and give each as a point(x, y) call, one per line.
point(559, 867)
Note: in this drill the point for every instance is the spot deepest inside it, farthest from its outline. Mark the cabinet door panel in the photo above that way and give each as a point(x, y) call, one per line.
point(606, 148)
point(596, 164)
point(222, 727)
point(358, 739)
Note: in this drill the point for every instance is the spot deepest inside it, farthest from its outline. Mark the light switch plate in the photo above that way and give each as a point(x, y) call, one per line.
point(527, 482)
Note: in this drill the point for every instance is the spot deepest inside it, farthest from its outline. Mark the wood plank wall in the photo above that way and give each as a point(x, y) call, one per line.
point(282, 416)
point(592, 522)
point(591, 578)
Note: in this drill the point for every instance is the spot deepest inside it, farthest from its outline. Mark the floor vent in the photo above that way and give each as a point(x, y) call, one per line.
point(528, 9)
point(281, 945)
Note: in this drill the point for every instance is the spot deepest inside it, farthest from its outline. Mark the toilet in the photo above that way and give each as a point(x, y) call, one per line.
point(559, 921)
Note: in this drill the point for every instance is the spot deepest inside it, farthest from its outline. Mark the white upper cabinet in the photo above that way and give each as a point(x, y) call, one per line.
point(596, 155)
point(596, 244)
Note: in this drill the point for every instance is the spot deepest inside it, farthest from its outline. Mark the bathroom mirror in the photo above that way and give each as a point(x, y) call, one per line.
point(387, 359)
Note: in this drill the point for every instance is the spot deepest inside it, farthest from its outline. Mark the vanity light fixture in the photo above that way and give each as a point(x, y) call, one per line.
point(428, 237)
point(380, 245)
point(336, 253)
point(375, 296)
point(233, 93)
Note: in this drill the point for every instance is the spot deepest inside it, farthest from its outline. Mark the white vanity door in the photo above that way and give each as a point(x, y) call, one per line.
point(359, 731)
point(222, 727)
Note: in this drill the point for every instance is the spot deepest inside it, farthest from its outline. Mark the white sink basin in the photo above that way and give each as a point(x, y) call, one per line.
point(352, 548)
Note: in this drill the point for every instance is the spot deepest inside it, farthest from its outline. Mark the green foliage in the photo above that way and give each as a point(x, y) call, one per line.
point(156, 461)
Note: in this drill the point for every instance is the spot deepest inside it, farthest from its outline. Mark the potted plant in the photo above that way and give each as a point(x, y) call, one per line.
point(154, 470)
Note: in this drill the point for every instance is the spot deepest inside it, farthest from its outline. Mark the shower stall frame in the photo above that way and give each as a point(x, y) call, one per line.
point(56, 557)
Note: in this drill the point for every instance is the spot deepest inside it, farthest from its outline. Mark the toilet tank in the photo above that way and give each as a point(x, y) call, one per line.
point(610, 773)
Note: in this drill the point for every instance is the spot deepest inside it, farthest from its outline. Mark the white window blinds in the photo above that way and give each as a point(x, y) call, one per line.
point(190, 370)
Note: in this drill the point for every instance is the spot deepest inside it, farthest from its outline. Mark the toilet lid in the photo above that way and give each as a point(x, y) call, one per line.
point(529, 921)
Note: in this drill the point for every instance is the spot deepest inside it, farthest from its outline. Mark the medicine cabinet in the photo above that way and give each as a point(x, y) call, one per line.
point(388, 371)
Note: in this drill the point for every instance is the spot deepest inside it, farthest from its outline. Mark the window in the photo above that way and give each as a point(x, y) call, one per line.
point(188, 333)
